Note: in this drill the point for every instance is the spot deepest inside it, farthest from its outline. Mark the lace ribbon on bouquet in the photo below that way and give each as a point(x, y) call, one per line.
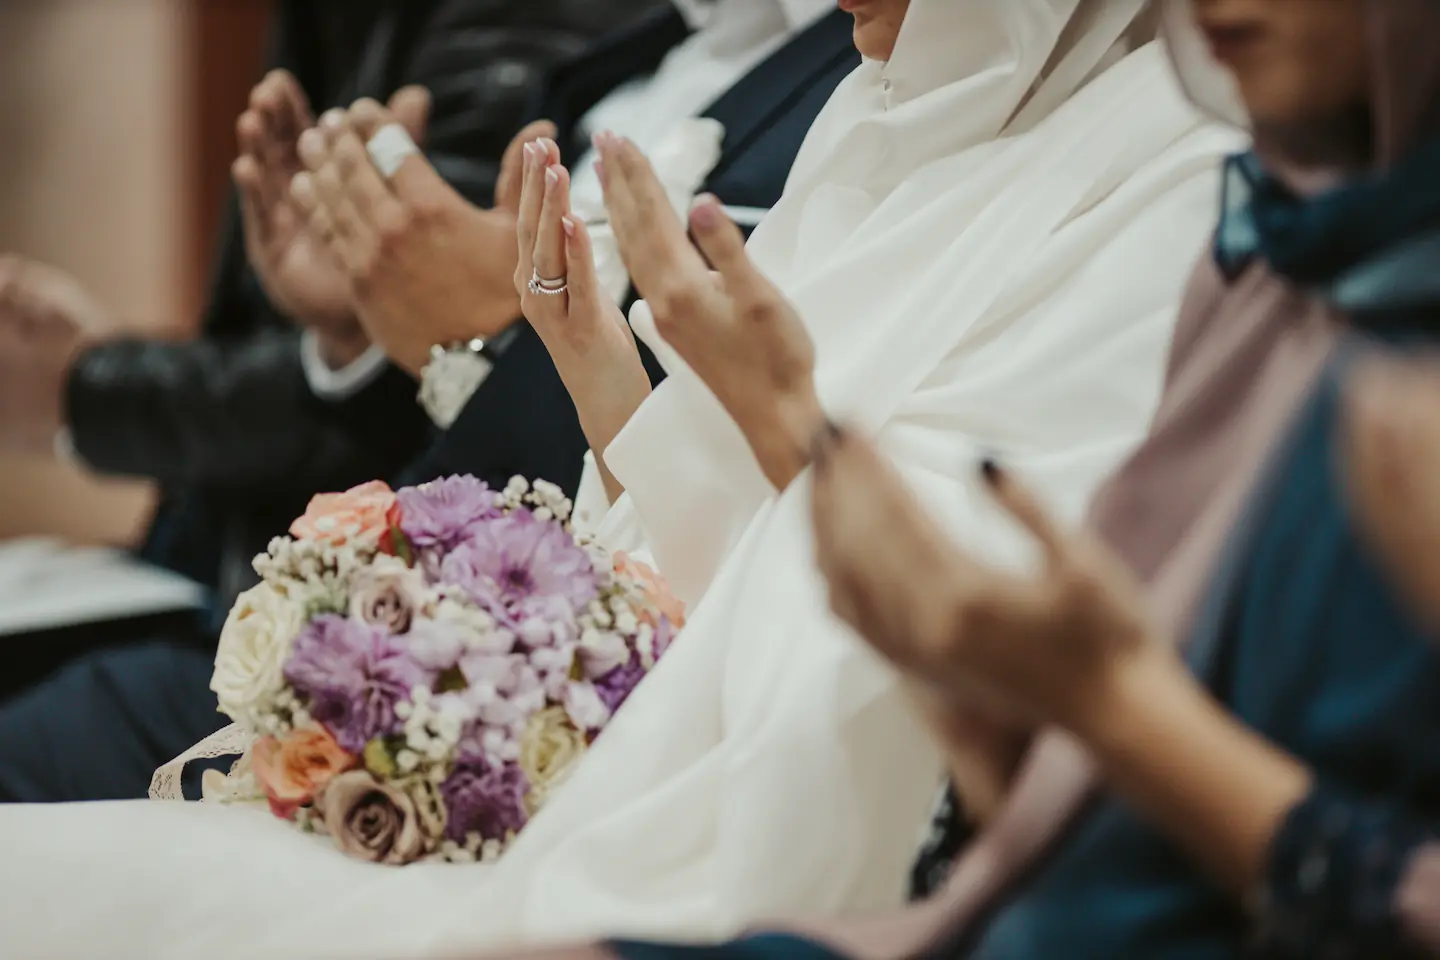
point(233, 740)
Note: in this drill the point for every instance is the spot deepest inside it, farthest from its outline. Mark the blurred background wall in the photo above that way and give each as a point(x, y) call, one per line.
point(116, 134)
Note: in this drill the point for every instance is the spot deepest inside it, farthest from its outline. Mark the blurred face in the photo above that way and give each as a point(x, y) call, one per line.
point(877, 25)
point(1303, 69)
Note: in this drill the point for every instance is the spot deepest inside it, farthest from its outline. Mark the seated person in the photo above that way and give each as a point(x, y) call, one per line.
point(241, 426)
point(960, 236)
point(1269, 791)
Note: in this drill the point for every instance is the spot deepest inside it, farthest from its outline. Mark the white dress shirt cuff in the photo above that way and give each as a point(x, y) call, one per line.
point(328, 383)
point(65, 451)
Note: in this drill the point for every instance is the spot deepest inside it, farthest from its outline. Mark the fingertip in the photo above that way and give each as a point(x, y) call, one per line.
point(302, 190)
point(244, 171)
point(706, 214)
point(577, 242)
point(248, 126)
point(991, 472)
point(312, 148)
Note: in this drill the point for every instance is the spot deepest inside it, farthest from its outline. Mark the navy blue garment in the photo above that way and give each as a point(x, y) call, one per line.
point(227, 424)
point(98, 729)
point(772, 946)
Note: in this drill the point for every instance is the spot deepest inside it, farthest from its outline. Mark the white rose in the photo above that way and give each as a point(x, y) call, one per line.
point(549, 749)
point(254, 645)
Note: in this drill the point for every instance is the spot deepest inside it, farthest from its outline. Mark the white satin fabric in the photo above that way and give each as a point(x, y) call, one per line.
point(965, 294)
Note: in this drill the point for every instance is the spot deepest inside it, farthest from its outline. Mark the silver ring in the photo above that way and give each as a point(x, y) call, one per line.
point(390, 148)
point(547, 288)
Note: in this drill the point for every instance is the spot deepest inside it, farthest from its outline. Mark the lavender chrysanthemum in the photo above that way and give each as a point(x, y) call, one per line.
point(516, 567)
point(617, 685)
point(440, 515)
point(484, 798)
point(665, 635)
point(352, 675)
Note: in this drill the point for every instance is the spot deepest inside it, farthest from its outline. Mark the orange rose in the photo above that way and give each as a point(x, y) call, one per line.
point(362, 515)
point(292, 771)
point(657, 592)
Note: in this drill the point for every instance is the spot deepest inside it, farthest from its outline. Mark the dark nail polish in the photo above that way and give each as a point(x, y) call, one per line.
point(990, 470)
point(824, 441)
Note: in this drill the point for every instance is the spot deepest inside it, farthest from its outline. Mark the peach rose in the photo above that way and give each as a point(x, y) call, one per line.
point(656, 591)
point(292, 771)
point(360, 516)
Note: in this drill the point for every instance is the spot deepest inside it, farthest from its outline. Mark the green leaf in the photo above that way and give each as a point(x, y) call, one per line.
point(379, 760)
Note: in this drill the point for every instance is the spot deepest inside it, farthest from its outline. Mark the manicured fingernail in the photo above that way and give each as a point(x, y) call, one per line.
point(552, 177)
point(332, 118)
point(706, 213)
point(569, 226)
point(990, 471)
point(601, 174)
point(529, 152)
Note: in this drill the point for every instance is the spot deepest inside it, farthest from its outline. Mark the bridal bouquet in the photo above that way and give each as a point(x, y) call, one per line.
point(423, 667)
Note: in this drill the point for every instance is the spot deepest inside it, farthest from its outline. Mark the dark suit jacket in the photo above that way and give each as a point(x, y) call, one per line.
point(227, 424)
point(521, 421)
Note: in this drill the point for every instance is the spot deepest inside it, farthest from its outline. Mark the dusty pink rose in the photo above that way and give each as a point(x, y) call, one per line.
point(389, 593)
point(661, 602)
point(371, 820)
point(363, 515)
point(292, 771)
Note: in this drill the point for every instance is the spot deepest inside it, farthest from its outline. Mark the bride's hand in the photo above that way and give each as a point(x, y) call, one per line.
point(582, 328)
point(732, 327)
point(1048, 648)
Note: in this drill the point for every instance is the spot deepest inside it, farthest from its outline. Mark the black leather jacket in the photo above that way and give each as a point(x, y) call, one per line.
point(227, 424)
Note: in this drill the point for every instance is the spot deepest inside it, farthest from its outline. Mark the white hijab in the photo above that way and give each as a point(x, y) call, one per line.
point(963, 291)
point(893, 241)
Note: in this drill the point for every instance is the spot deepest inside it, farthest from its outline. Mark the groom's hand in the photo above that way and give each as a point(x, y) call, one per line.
point(298, 274)
point(425, 266)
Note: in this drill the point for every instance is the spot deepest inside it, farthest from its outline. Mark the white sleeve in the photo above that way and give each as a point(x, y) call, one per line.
point(328, 383)
point(591, 502)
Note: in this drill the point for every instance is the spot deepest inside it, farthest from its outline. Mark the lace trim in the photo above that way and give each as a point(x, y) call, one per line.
point(232, 740)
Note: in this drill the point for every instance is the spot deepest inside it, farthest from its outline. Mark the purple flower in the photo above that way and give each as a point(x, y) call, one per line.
point(517, 567)
point(441, 514)
point(617, 685)
point(665, 635)
point(352, 675)
point(484, 798)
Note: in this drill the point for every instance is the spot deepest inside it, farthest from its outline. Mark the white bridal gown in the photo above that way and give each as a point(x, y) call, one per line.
point(965, 295)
